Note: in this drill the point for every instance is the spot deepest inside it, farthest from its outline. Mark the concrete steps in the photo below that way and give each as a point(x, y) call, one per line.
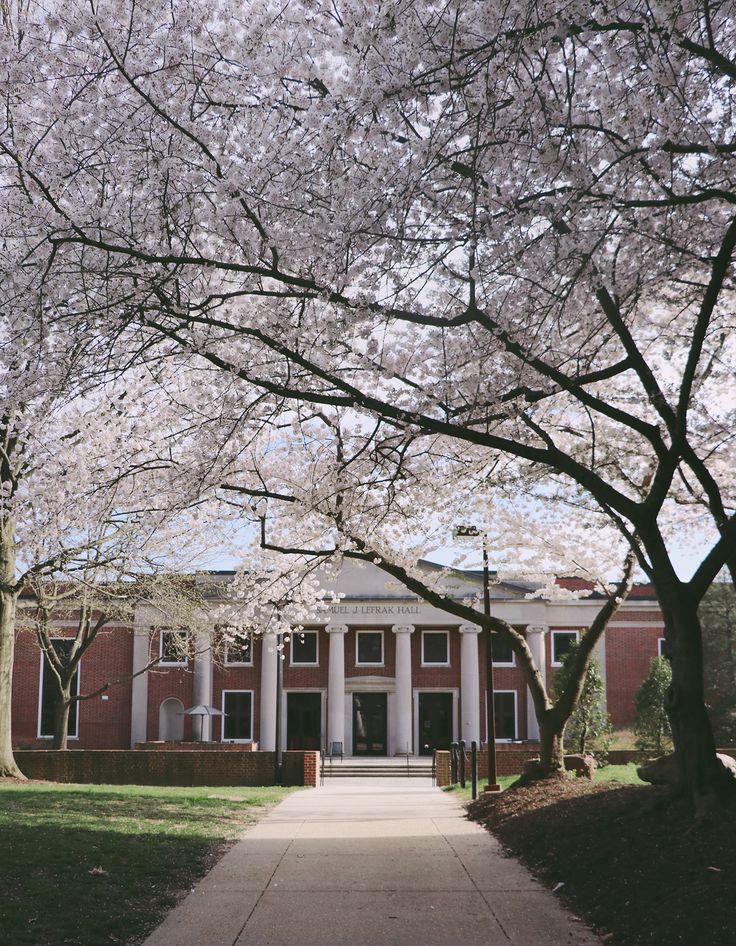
point(352, 769)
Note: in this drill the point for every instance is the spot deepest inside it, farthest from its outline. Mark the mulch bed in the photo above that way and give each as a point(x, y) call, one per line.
point(638, 870)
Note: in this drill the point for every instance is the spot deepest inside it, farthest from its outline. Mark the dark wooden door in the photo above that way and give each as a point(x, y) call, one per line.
point(370, 730)
point(303, 720)
point(435, 722)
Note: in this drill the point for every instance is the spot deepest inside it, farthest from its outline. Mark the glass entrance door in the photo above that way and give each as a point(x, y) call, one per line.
point(303, 720)
point(435, 722)
point(370, 730)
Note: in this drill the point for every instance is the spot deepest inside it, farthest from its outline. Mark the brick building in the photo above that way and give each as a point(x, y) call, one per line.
point(386, 674)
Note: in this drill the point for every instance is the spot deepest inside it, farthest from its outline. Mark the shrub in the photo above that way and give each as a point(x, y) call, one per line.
point(589, 727)
point(652, 727)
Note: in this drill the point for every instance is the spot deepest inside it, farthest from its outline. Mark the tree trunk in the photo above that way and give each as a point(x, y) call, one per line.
point(551, 744)
point(704, 780)
point(62, 707)
point(8, 600)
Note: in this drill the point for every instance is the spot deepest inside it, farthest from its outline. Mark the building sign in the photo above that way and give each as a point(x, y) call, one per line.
point(387, 609)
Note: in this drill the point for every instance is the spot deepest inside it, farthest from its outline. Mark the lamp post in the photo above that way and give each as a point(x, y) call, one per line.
point(462, 532)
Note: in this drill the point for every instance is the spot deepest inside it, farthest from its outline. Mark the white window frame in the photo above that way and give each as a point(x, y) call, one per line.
point(661, 645)
point(516, 716)
point(567, 631)
point(223, 718)
point(436, 663)
point(39, 734)
point(238, 663)
point(304, 663)
point(503, 663)
point(364, 663)
point(172, 663)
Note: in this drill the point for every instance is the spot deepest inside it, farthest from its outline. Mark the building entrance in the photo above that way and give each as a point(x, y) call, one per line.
point(303, 720)
point(435, 722)
point(370, 729)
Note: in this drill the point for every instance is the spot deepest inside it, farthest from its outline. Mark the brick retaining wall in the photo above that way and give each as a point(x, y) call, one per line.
point(510, 760)
point(152, 767)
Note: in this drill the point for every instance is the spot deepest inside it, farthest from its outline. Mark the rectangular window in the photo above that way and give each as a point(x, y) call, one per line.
point(47, 696)
point(663, 648)
point(237, 723)
point(503, 655)
point(304, 648)
point(561, 641)
point(504, 707)
point(174, 648)
point(239, 651)
point(435, 648)
point(369, 648)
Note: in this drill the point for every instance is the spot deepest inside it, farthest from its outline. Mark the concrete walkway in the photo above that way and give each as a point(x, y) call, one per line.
point(367, 862)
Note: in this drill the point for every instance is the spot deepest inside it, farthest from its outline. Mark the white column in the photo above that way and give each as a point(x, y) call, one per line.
point(535, 639)
point(270, 657)
point(202, 685)
point(139, 701)
point(403, 701)
point(469, 683)
point(336, 685)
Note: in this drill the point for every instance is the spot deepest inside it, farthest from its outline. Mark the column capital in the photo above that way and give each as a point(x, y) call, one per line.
point(336, 628)
point(403, 628)
point(470, 629)
point(537, 628)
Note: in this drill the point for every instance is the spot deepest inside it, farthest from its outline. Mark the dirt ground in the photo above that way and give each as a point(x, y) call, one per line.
point(638, 871)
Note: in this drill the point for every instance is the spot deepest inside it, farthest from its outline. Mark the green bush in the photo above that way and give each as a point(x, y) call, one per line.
point(589, 728)
point(652, 727)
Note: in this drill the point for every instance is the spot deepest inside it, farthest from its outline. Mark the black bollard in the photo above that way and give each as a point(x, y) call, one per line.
point(453, 763)
point(462, 763)
point(474, 769)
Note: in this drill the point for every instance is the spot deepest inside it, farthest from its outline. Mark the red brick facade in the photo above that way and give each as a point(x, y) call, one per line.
point(105, 721)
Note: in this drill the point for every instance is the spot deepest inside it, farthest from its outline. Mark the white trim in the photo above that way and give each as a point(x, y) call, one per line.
point(239, 663)
point(560, 630)
point(435, 663)
point(39, 734)
point(661, 646)
point(223, 718)
point(304, 663)
point(516, 715)
point(172, 663)
point(364, 663)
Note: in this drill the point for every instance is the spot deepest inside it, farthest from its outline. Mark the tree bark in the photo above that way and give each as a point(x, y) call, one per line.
point(8, 600)
point(62, 707)
point(703, 779)
point(551, 744)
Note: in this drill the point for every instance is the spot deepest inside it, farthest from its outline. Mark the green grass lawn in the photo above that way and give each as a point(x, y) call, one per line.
point(88, 865)
point(609, 773)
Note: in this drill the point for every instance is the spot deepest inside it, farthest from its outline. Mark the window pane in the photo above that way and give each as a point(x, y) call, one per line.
point(504, 705)
point(561, 641)
point(174, 647)
point(238, 651)
point(304, 648)
point(501, 650)
point(370, 648)
point(49, 690)
point(435, 648)
point(237, 724)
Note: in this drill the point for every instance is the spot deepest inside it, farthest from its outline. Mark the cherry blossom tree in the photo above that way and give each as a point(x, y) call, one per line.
point(508, 226)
